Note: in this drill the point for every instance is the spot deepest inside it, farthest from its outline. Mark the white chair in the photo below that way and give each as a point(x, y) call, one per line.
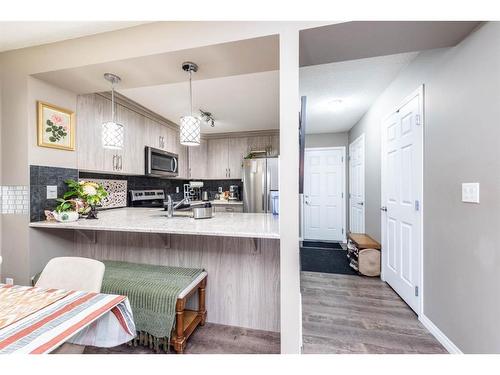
point(72, 273)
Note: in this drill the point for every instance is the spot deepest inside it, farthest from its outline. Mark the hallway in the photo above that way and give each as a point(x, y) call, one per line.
point(345, 314)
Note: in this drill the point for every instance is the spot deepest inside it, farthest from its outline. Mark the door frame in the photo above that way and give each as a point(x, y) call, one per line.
point(361, 138)
point(418, 92)
point(344, 179)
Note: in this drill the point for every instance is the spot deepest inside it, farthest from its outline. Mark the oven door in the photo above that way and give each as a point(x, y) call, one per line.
point(161, 163)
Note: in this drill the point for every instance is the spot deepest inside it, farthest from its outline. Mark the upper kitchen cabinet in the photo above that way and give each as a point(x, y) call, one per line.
point(92, 110)
point(218, 158)
point(237, 150)
point(198, 161)
point(131, 158)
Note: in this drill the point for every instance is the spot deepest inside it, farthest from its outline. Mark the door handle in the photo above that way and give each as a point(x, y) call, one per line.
point(307, 203)
point(361, 203)
point(383, 209)
point(120, 158)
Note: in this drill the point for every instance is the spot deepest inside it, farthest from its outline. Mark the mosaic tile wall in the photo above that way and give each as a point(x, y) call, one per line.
point(40, 177)
point(14, 199)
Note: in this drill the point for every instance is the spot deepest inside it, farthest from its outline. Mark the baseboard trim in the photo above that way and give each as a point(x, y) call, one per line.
point(439, 335)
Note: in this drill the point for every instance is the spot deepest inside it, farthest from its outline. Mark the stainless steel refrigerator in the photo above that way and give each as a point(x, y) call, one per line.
point(260, 178)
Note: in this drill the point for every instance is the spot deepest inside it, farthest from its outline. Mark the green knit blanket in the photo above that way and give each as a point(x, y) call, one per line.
point(151, 290)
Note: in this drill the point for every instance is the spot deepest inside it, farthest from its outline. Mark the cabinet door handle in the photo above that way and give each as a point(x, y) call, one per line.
point(229, 172)
point(114, 162)
point(120, 162)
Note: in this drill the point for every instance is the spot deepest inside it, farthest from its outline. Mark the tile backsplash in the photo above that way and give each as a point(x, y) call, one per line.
point(117, 192)
point(117, 185)
point(14, 199)
point(40, 177)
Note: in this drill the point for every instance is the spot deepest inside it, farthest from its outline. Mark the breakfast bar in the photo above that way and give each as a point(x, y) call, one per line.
point(239, 251)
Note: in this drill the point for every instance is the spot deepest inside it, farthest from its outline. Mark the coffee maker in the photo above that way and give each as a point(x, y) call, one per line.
point(234, 192)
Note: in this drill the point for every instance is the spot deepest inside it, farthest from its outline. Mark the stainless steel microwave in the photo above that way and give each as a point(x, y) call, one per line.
point(161, 163)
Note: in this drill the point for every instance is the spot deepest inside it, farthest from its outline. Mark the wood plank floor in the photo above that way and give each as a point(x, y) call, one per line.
point(354, 314)
point(213, 339)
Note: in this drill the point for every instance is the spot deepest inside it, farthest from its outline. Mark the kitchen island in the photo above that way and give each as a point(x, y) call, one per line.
point(240, 252)
point(154, 220)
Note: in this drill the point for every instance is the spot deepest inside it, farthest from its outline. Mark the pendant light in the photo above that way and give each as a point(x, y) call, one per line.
point(112, 132)
point(190, 125)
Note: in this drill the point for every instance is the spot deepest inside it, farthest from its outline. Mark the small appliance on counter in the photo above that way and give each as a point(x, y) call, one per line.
point(234, 193)
point(204, 196)
point(192, 191)
point(146, 198)
point(203, 212)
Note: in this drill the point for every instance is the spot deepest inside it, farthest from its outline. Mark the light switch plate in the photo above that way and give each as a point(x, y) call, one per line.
point(177, 189)
point(51, 191)
point(470, 192)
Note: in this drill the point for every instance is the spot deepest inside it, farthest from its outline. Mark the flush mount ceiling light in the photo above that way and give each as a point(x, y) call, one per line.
point(113, 134)
point(190, 125)
point(335, 103)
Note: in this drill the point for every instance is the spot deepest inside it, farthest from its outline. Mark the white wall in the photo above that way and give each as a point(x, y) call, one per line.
point(39, 90)
point(462, 144)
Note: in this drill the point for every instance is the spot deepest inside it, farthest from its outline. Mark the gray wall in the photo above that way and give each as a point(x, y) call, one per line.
point(462, 144)
point(327, 140)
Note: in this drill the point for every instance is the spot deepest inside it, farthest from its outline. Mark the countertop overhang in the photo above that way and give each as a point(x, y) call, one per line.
point(153, 220)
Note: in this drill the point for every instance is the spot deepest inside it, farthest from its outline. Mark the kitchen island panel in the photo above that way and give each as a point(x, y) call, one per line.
point(243, 273)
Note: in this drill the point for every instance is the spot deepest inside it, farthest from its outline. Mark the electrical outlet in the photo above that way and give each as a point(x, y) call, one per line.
point(470, 192)
point(51, 191)
point(220, 190)
point(177, 189)
point(9, 281)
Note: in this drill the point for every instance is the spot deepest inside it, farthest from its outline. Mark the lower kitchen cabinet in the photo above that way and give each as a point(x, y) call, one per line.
point(228, 207)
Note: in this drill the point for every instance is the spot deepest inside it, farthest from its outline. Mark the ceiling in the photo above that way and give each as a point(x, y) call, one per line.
point(362, 39)
point(218, 60)
point(356, 83)
point(21, 34)
point(244, 102)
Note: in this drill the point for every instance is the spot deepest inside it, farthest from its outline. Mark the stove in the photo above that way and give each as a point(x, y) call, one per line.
point(146, 198)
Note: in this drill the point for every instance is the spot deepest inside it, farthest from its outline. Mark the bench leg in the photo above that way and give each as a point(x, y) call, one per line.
point(179, 342)
point(202, 311)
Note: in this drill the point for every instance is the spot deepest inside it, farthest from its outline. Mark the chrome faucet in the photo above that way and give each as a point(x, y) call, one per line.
point(171, 206)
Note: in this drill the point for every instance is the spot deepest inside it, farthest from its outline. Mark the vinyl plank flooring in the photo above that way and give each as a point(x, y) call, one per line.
point(213, 339)
point(353, 314)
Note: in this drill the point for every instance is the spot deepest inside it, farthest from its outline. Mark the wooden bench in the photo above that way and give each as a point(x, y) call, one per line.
point(187, 320)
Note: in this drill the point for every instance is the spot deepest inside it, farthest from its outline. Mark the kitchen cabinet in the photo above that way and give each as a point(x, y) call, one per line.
point(198, 161)
point(140, 131)
point(218, 158)
point(237, 150)
point(228, 207)
point(183, 158)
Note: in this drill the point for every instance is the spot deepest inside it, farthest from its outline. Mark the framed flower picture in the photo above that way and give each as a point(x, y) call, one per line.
point(56, 127)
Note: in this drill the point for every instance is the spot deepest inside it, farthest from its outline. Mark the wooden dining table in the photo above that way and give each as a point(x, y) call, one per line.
point(40, 320)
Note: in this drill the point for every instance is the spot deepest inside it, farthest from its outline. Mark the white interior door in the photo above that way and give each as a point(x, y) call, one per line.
point(324, 194)
point(357, 185)
point(402, 174)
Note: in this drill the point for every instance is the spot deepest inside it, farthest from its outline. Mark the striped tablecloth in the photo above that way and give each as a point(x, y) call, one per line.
point(82, 318)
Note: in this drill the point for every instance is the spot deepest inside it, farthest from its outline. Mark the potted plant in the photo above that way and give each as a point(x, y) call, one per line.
point(66, 210)
point(88, 196)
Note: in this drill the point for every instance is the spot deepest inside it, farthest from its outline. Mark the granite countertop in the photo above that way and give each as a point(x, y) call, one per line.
point(154, 220)
point(223, 201)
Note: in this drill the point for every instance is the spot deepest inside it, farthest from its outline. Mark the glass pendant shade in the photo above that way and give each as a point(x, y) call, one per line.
point(113, 135)
point(190, 131)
